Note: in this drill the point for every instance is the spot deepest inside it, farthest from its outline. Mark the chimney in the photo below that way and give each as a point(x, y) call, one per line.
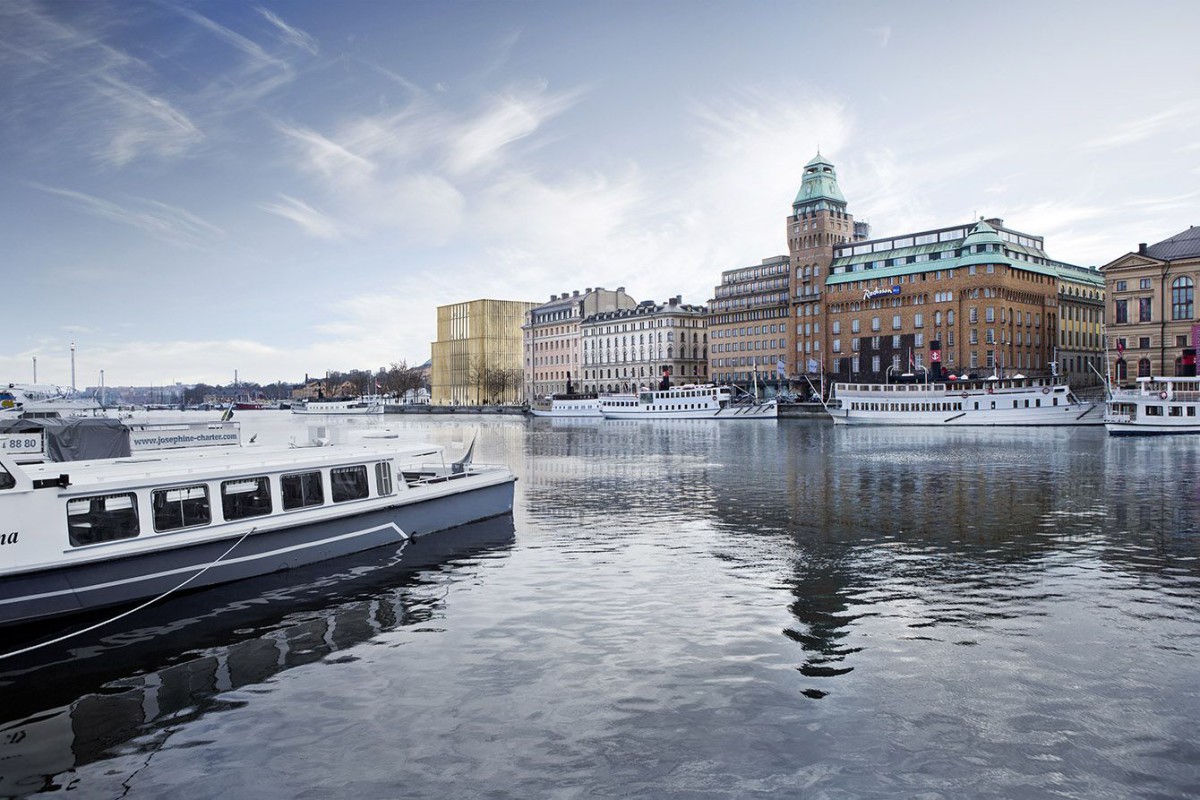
point(1142, 249)
point(575, 293)
point(620, 290)
point(589, 290)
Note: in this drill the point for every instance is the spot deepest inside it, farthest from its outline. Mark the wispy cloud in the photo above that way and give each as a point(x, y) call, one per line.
point(315, 223)
point(479, 141)
point(1140, 129)
point(99, 94)
point(162, 221)
point(291, 35)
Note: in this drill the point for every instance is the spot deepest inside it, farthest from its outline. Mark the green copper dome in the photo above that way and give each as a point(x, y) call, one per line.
point(819, 187)
point(983, 234)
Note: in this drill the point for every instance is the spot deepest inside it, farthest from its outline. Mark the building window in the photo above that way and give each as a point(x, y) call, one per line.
point(896, 322)
point(1182, 293)
point(1144, 283)
point(991, 314)
point(919, 320)
point(874, 323)
point(1144, 309)
point(1143, 368)
point(1122, 312)
point(1120, 286)
point(1143, 342)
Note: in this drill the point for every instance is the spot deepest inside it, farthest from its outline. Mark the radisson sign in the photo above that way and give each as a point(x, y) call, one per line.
point(873, 293)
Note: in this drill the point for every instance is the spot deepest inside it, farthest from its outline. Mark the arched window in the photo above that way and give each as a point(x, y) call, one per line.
point(1122, 370)
point(1182, 294)
point(1143, 368)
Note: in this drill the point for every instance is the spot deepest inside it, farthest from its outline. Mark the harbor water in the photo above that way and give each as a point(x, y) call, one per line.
point(676, 610)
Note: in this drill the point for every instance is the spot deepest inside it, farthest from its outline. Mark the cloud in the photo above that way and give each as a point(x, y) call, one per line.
point(479, 142)
point(293, 36)
point(1140, 129)
point(90, 94)
point(164, 222)
point(314, 222)
point(884, 34)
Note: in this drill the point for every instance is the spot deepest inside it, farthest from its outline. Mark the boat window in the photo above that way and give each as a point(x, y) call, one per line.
point(348, 483)
point(1176, 411)
point(184, 507)
point(1154, 411)
point(102, 518)
point(247, 497)
point(7, 481)
point(383, 478)
point(301, 489)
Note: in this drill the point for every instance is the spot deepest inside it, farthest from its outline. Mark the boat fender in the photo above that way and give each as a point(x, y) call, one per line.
point(1045, 390)
point(1162, 395)
point(966, 395)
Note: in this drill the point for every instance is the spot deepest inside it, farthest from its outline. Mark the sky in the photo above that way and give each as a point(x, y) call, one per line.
point(194, 190)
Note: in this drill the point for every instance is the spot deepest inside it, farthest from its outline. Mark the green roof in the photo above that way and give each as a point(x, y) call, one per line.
point(819, 183)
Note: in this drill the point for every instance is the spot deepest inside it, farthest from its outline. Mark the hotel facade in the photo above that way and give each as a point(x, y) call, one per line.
point(862, 309)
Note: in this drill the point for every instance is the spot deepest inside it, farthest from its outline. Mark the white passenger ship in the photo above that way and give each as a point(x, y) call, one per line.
point(1157, 406)
point(687, 402)
point(368, 404)
point(566, 405)
point(83, 534)
point(1017, 401)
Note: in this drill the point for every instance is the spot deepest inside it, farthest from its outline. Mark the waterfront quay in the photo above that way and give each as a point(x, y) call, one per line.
point(678, 609)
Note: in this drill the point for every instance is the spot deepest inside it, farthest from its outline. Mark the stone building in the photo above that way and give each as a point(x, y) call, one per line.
point(1152, 308)
point(631, 348)
point(477, 356)
point(552, 339)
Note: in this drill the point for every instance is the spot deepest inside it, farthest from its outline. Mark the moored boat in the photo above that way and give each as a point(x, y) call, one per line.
point(1157, 406)
point(566, 405)
point(994, 401)
point(86, 534)
point(687, 402)
point(367, 404)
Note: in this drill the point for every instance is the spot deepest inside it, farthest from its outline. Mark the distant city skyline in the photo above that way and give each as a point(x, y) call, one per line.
point(284, 189)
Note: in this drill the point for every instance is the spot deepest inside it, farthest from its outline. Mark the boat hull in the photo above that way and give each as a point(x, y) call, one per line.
point(137, 576)
point(1081, 414)
point(729, 412)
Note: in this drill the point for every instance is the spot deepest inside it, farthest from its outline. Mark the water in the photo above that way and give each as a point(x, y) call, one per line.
point(679, 610)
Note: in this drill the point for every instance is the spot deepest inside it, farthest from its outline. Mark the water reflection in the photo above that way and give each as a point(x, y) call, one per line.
point(105, 689)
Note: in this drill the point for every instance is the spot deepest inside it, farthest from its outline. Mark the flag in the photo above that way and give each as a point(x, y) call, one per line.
point(378, 385)
point(780, 368)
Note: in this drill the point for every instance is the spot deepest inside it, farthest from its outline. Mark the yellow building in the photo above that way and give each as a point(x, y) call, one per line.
point(477, 357)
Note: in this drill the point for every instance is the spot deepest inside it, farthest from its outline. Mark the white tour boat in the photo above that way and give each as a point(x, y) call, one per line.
point(1017, 401)
point(84, 534)
point(368, 404)
point(46, 400)
point(566, 405)
point(1157, 406)
point(687, 402)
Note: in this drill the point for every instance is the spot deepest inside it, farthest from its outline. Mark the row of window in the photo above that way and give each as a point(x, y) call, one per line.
point(108, 517)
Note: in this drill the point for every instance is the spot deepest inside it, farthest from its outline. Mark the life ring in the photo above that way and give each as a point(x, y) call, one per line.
point(966, 395)
point(1162, 395)
point(1045, 390)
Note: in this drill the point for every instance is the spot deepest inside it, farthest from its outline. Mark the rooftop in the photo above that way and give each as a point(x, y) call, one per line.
point(1181, 245)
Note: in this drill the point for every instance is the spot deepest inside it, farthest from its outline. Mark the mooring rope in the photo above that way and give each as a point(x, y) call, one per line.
point(126, 613)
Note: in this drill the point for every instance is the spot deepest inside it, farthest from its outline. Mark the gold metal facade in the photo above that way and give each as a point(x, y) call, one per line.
point(473, 339)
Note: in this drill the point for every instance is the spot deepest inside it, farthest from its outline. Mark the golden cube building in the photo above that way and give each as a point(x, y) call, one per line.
point(477, 357)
